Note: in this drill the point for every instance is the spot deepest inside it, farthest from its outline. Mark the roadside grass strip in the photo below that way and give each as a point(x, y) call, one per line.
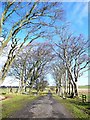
point(14, 103)
point(75, 107)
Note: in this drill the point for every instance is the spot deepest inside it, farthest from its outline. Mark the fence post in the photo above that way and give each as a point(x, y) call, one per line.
point(83, 98)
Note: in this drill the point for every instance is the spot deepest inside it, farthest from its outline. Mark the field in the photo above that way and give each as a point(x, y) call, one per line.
point(81, 90)
point(7, 90)
point(84, 90)
point(84, 86)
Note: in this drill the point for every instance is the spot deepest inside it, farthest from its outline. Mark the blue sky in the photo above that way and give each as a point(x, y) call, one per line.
point(77, 14)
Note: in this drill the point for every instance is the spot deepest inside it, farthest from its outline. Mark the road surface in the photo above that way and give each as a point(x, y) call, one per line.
point(44, 107)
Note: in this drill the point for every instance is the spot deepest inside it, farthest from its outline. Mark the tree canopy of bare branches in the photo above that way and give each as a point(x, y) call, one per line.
point(73, 52)
point(24, 22)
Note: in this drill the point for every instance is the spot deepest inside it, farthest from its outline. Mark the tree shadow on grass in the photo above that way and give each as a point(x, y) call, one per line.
point(85, 106)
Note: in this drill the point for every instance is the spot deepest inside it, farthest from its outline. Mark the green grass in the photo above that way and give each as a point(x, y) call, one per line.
point(14, 103)
point(77, 108)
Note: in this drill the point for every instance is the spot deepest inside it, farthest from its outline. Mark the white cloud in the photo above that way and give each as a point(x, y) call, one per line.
point(78, 12)
point(77, 8)
point(81, 12)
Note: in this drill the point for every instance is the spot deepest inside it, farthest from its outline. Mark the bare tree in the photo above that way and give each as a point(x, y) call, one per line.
point(58, 70)
point(72, 50)
point(31, 63)
point(25, 27)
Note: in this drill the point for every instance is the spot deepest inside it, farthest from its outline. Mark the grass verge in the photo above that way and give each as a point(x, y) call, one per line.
point(78, 109)
point(14, 103)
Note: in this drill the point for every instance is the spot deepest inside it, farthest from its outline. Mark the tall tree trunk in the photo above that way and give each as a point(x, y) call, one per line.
point(74, 84)
point(21, 84)
point(59, 91)
point(11, 89)
point(72, 91)
point(69, 89)
point(22, 81)
point(25, 88)
point(67, 80)
point(75, 89)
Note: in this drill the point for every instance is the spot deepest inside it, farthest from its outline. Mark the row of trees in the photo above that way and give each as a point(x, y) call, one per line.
point(68, 54)
point(30, 66)
point(18, 29)
point(72, 55)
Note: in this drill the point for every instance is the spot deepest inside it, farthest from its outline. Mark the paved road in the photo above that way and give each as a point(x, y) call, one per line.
point(44, 107)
